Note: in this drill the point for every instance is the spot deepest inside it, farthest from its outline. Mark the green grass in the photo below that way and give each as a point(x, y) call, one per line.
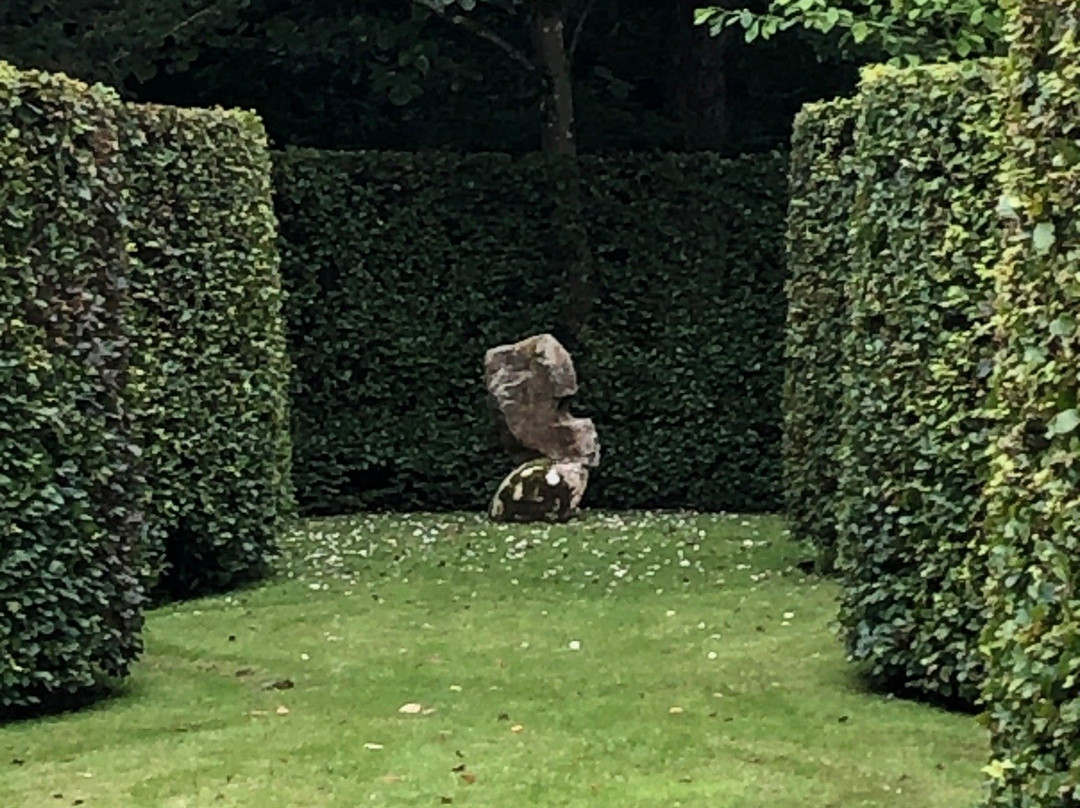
point(702, 613)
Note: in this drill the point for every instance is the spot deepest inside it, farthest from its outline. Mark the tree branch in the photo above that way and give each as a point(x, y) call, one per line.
point(481, 31)
point(180, 26)
point(578, 28)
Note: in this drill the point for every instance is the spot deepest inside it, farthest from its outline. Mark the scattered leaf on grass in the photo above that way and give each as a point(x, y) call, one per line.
point(468, 777)
point(412, 708)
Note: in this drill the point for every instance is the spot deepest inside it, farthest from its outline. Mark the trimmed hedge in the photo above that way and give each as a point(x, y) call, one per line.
point(925, 238)
point(822, 183)
point(682, 361)
point(402, 270)
point(143, 379)
point(211, 345)
point(1033, 638)
point(72, 566)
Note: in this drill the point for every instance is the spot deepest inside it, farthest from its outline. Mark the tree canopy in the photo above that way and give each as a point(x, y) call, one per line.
point(897, 31)
point(413, 74)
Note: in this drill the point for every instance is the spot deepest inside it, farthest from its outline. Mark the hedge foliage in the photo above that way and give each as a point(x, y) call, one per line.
point(72, 565)
point(918, 357)
point(402, 270)
point(822, 183)
point(1033, 639)
point(143, 378)
point(682, 359)
point(211, 362)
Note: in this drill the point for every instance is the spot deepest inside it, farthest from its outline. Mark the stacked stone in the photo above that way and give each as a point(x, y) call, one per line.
point(529, 385)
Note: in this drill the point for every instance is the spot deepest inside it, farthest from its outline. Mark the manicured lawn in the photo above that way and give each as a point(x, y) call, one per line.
point(624, 661)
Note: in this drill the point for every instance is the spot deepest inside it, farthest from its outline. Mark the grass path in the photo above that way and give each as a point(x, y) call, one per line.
point(626, 661)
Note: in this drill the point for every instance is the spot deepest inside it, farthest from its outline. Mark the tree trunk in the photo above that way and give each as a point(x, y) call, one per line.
point(698, 83)
point(571, 253)
point(549, 37)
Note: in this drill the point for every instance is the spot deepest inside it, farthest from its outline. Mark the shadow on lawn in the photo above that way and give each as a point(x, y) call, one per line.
point(106, 692)
point(858, 681)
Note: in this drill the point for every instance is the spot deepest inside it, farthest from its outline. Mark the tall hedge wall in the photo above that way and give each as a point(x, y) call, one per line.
point(925, 238)
point(211, 361)
point(682, 360)
point(143, 379)
point(72, 571)
point(1033, 638)
point(402, 270)
point(822, 183)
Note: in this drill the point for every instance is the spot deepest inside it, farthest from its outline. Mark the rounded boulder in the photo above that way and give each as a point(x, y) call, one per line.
point(541, 490)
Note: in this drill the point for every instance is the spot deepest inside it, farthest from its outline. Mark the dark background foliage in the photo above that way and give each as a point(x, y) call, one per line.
point(402, 270)
point(371, 74)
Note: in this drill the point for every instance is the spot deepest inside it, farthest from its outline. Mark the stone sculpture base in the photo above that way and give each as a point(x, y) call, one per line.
point(541, 490)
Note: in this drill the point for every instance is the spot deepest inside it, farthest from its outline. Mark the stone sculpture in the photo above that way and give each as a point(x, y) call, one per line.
point(529, 385)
